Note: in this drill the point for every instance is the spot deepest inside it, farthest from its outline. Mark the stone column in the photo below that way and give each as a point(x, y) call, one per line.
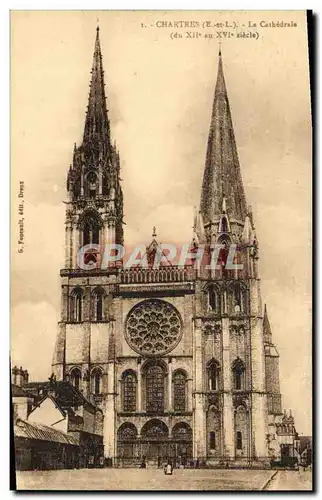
point(64, 303)
point(68, 253)
point(111, 231)
point(199, 427)
point(109, 417)
point(228, 415)
point(225, 303)
point(100, 182)
point(139, 388)
point(170, 405)
point(259, 397)
point(87, 304)
point(119, 396)
point(82, 181)
point(74, 246)
point(189, 394)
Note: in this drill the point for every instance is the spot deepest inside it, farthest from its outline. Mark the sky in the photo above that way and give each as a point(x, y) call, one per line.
point(160, 92)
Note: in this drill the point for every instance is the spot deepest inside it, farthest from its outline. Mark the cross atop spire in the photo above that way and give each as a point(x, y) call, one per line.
point(222, 176)
point(97, 126)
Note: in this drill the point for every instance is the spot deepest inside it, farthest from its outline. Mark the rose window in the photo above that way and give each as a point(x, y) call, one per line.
point(153, 327)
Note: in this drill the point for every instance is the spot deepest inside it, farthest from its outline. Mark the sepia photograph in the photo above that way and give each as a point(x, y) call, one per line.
point(161, 250)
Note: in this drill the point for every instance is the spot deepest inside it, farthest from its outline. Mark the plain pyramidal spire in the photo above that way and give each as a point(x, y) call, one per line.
point(222, 175)
point(266, 324)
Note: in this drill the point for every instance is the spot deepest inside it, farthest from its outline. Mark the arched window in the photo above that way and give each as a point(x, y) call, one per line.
point(213, 368)
point(213, 299)
point(127, 432)
point(212, 440)
point(238, 298)
point(91, 184)
point(91, 230)
point(154, 430)
point(239, 375)
point(223, 256)
point(75, 378)
point(96, 379)
point(76, 305)
point(224, 225)
point(239, 440)
point(129, 391)
point(182, 432)
point(154, 389)
point(126, 440)
point(98, 305)
point(179, 391)
point(104, 185)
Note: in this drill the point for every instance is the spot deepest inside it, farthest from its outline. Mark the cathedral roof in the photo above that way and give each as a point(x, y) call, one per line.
point(222, 175)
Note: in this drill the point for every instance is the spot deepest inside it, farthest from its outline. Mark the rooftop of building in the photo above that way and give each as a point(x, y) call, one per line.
point(28, 430)
point(63, 392)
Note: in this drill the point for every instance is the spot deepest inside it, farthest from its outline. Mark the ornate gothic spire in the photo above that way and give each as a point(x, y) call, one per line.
point(97, 127)
point(222, 181)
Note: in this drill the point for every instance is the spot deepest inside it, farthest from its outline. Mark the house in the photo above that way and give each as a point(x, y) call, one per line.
point(55, 426)
point(305, 450)
point(39, 446)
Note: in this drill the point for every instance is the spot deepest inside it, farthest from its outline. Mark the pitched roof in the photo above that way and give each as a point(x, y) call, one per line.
point(41, 432)
point(63, 392)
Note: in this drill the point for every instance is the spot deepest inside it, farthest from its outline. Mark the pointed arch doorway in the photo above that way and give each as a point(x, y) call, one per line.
point(155, 440)
point(181, 443)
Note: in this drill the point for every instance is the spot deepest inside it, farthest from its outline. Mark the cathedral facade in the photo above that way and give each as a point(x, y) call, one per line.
point(179, 358)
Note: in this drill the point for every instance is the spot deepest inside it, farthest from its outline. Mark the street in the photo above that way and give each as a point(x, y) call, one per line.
point(154, 479)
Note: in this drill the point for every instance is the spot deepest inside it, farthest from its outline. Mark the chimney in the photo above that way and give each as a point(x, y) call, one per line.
point(25, 377)
point(14, 375)
point(19, 379)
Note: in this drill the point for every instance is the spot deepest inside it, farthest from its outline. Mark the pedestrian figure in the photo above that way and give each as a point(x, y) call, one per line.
point(168, 468)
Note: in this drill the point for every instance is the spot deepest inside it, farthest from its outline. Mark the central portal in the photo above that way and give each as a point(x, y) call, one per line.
point(154, 445)
point(155, 440)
